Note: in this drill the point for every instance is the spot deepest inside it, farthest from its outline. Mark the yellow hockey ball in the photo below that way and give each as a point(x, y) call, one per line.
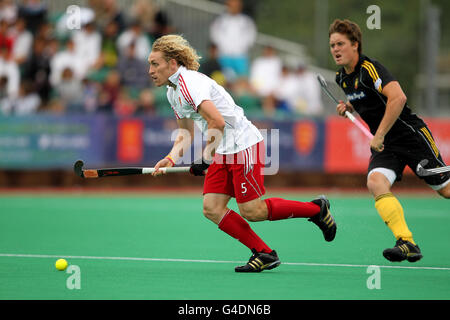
point(61, 264)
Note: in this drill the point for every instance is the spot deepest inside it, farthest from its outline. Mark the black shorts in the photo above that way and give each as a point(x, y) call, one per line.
point(409, 152)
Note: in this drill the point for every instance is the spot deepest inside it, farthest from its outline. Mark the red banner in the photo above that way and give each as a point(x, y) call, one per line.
point(129, 141)
point(440, 129)
point(347, 149)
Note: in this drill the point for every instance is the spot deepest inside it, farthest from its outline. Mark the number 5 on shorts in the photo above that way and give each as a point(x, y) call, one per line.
point(243, 188)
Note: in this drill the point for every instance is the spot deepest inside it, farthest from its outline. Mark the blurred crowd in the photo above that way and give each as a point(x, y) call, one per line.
point(93, 59)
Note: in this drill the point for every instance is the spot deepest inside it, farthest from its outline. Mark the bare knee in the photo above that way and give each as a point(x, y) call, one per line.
point(255, 210)
point(215, 206)
point(373, 183)
point(213, 212)
point(378, 184)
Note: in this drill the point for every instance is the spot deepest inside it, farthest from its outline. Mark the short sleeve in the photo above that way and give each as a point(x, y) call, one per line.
point(377, 74)
point(195, 89)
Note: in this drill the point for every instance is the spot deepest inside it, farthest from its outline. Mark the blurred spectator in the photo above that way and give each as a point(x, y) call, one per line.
point(133, 71)
point(309, 101)
point(124, 105)
point(8, 11)
point(245, 96)
point(55, 106)
point(146, 103)
point(211, 66)
point(109, 92)
point(153, 20)
point(109, 52)
point(38, 68)
point(287, 92)
point(6, 40)
point(249, 6)
point(23, 41)
point(234, 33)
point(27, 102)
point(143, 11)
point(45, 31)
point(10, 71)
point(107, 11)
point(67, 58)
point(87, 44)
point(299, 92)
point(265, 72)
point(134, 33)
point(69, 90)
point(34, 12)
point(3, 91)
point(162, 25)
point(91, 91)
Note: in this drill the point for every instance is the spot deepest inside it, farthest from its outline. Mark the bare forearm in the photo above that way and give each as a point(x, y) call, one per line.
point(182, 142)
point(216, 126)
point(394, 108)
point(214, 137)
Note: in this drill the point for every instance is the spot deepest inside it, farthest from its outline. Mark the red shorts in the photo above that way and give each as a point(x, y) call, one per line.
point(239, 175)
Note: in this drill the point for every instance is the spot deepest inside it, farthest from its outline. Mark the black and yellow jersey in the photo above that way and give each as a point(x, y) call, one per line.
point(363, 89)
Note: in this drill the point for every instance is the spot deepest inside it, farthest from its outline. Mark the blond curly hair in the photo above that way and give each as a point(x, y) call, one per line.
point(176, 47)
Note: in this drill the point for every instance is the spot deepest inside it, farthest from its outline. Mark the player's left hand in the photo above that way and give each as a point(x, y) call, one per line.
point(164, 163)
point(377, 143)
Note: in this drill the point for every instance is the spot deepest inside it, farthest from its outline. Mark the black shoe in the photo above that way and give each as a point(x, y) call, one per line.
point(403, 250)
point(260, 261)
point(324, 220)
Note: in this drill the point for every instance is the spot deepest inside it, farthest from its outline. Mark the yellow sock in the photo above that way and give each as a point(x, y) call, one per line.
point(391, 212)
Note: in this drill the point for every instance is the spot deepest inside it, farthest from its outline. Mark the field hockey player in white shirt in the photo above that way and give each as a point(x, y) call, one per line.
point(233, 158)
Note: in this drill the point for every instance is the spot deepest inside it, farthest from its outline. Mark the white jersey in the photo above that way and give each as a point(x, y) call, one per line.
point(192, 88)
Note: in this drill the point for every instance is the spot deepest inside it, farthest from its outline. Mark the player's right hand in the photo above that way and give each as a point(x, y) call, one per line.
point(198, 167)
point(164, 163)
point(342, 107)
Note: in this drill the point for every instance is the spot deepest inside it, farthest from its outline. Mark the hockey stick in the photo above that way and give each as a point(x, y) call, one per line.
point(421, 171)
point(352, 118)
point(109, 172)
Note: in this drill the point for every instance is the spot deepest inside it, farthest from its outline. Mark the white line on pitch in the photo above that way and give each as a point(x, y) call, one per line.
point(210, 261)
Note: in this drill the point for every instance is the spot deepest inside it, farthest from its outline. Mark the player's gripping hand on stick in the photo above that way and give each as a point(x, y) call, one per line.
point(377, 142)
point(167, 162)
point(342, 107)
point(182, 143)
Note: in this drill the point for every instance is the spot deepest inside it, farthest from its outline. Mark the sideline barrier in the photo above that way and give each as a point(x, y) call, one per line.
point(45, 142)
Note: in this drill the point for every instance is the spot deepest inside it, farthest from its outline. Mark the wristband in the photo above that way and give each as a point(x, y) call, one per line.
point(168, 157)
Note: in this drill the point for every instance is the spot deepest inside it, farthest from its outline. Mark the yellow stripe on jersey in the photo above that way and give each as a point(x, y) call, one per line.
point(430, 140)
point(373, 73)
point(372, 67)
